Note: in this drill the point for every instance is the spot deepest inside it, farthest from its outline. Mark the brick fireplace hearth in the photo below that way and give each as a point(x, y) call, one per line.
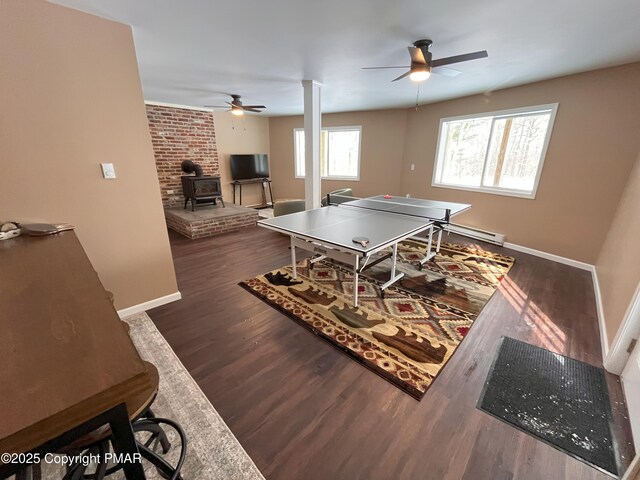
point(180, 134)
point(205, 222)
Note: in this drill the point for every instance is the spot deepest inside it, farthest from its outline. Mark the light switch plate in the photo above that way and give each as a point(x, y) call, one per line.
point(108, 171)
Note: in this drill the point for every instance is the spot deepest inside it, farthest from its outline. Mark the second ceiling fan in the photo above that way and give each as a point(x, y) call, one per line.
point(422, 65)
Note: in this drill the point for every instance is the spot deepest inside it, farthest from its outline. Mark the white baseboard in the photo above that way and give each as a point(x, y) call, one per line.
point(550, 256)
point(143, 307)
point(604, 341)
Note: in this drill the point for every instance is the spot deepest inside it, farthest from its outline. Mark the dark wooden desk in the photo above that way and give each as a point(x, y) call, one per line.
point(262, 182)
point(65, 359)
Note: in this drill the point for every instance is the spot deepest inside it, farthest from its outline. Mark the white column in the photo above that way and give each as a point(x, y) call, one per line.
point(311, 143)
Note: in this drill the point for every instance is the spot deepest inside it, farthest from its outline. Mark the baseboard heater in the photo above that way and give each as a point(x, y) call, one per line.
point(495, 238)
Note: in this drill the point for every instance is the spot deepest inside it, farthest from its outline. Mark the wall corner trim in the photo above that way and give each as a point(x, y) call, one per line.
point(604, 341)
point(156, 302)
point(618, 355)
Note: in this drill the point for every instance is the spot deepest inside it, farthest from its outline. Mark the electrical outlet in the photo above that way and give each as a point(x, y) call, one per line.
point(108, 171)
point(413, 167)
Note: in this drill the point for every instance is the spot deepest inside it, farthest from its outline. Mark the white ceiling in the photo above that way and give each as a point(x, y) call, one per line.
point(191, 52)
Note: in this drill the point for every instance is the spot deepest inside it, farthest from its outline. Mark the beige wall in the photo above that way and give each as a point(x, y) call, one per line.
point(593, 146)
point(70, 98)
point(382, 145)
point(591, 152)
point(249, 134)
point(618, 265)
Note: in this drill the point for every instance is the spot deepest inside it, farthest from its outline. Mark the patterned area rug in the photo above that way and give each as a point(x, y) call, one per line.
point(408, 336)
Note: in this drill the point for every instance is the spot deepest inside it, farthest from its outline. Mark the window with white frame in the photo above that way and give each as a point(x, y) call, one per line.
point(339, 152)
point(499, 152)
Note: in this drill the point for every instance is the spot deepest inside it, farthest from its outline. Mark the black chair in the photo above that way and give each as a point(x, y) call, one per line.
point(142, 420)
point(338, 196)
point(97, 443)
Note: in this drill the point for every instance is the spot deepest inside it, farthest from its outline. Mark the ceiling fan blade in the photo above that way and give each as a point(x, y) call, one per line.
point(375, 68)
point(215, 106)
point(402, 76)
point(252, 110)
point(416, 55)
point(253, 106)
point(459, 58)
point(447, 72)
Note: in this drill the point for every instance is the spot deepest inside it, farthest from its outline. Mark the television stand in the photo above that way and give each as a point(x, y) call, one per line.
point(249, 181)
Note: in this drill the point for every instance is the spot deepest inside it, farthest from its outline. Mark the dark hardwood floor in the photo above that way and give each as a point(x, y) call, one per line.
point(304, 410)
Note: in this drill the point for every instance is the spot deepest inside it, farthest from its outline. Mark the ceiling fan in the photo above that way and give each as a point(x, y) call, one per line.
point(237, 108)
point(422, 66)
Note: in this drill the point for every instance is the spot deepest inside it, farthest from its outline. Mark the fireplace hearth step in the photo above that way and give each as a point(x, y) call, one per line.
point(205, 222)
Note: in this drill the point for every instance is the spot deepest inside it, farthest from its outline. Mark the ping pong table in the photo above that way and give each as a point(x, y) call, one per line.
point(353, 231)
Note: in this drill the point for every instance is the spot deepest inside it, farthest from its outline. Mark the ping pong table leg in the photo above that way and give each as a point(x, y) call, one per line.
point(394, 257)
point(355, 281)
point(439, 240)
point(293, 259)
point(394, 277)
point(428, 255)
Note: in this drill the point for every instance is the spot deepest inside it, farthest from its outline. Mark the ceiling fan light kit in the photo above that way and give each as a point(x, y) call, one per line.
point(237, 108)
point(420, 74)
point(422, 64)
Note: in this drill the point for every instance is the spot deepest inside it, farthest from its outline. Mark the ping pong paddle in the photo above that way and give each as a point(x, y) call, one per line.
point(363, 241)
point(388, 196)
point(41, 229)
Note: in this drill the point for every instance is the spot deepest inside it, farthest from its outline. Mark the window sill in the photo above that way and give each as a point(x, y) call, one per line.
point(492, 191)
point(340, 179)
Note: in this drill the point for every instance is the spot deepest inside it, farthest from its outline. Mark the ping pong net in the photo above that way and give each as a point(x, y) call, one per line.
point(395, 206)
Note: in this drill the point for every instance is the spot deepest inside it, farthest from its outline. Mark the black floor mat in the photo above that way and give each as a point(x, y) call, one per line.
point(562, 401)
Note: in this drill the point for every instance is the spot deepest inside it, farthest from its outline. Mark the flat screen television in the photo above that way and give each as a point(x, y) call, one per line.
point(245, 167)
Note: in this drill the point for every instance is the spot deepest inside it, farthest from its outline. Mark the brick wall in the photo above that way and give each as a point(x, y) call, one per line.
point(181, 134)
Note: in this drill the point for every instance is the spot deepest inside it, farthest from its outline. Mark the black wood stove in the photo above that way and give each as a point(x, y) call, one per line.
point(200, 189)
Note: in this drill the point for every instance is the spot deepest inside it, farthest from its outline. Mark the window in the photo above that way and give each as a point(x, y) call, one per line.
point(339, 152)
point(499, 152)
